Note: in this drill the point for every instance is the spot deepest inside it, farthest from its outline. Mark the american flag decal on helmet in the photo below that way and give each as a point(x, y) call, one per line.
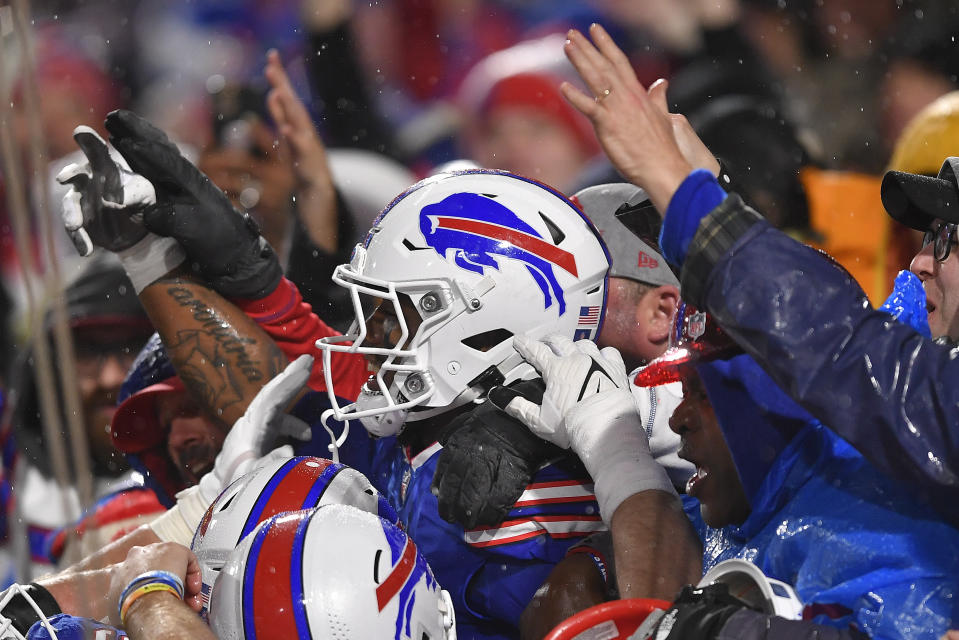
point(588, 316)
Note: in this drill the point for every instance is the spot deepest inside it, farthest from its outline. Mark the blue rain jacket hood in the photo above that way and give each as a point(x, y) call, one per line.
point(757, 418)
point(856, 545)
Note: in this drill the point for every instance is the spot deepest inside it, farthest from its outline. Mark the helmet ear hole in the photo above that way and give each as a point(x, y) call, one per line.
point(376, 566)
point(554, 231)
point(226, 504)
point(486, 340)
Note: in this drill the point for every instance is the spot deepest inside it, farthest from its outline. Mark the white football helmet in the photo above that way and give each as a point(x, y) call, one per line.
point(475, 257)
point(748, 583)
point(278, 486)
point(325, 573)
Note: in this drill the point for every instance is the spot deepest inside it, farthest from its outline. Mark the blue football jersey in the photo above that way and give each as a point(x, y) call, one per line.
point(491, 573)
point(69, 627)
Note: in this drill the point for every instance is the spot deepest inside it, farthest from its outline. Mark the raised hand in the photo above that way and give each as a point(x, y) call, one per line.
point(104, 206)
point(633, 128)
point(316, 197)
point(222, 244)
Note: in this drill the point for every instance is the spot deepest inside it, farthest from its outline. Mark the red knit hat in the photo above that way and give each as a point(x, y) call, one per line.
point(541, 92)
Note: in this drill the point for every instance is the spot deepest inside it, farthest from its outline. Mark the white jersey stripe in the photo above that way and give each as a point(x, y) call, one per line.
point(515, 530)
point(554, 493)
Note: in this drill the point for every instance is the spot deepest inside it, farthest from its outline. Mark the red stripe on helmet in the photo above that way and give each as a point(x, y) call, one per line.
point(273, 615)
point(291, 492)
point(398, 576)
point(534, 245)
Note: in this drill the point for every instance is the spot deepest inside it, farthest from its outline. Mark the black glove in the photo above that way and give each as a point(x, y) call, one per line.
point(488, 458)
point(699, 613)
point(223, 245)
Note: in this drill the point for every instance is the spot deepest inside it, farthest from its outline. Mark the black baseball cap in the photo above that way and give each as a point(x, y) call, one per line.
point(916, 200)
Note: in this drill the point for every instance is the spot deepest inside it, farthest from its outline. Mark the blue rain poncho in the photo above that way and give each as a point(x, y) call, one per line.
point(856, 545)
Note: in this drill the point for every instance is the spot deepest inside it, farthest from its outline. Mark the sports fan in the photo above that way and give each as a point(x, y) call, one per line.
point(108, 327)
point(773, 486)
point(822, 343)
point(662, 173)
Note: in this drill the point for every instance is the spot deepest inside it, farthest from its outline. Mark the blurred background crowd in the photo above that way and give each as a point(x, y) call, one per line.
point(806, 101)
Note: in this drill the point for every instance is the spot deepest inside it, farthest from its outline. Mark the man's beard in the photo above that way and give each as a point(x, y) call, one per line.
point(194, 461)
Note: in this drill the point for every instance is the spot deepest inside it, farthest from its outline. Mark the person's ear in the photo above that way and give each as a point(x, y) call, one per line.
point(665, 301)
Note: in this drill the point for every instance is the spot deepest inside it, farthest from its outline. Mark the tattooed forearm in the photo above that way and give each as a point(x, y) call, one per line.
point(215, 339)
point(222, 356)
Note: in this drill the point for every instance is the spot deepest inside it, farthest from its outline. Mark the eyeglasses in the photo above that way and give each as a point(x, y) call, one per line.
point(92, 357)
point(944, 236)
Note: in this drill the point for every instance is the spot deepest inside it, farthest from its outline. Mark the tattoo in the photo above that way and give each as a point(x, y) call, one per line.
point(214, 360)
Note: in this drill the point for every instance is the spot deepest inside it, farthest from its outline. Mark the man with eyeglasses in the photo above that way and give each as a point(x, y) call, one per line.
point(109, 326)
point(931, 205)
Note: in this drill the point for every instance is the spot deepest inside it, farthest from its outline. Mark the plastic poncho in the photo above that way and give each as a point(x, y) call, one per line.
point(856, 545)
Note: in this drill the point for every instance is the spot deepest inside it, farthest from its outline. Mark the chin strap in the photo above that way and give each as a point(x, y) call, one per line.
point(510, 370)
point(335, 443)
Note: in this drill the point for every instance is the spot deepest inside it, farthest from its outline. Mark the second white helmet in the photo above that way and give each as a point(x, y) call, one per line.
point(333, 572)
point(278, 486)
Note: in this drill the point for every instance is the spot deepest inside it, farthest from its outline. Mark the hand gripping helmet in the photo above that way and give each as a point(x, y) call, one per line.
point(474, 257)
point(276, 487)
point(325, 573)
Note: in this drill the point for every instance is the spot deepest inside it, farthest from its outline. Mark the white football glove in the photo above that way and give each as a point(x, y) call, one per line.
point(104, 208)
point(588, 407)
point(573, 371)
point(244, 449)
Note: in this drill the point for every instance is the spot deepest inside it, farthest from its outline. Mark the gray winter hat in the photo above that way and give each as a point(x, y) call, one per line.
point(608, 206)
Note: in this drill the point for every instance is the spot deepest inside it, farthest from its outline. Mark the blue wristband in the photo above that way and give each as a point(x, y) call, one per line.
point(152, 577)
point(698, 194)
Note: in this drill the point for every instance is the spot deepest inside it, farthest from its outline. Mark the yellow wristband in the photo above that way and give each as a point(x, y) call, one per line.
point(141, 591)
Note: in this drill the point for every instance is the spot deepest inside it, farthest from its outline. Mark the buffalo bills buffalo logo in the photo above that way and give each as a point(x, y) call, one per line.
point(476, 229)
point(408, 568)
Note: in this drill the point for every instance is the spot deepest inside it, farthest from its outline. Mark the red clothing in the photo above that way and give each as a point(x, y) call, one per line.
point(295, 328)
